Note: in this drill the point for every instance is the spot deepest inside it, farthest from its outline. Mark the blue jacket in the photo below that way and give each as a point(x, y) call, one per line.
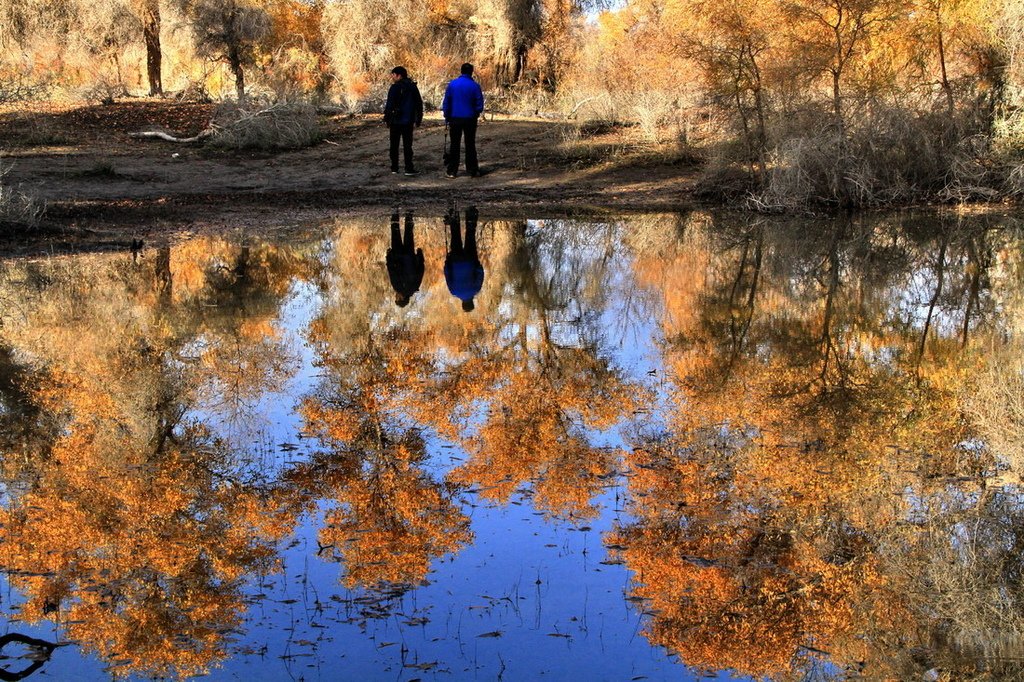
point(404, 106)
point(464, 278)
point(463, 98)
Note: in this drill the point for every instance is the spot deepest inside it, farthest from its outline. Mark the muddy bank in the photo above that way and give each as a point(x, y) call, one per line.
point(101, 185)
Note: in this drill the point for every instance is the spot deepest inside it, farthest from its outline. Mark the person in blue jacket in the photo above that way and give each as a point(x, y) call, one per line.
point(402, 112)
point(462, 269)
point(462, 105)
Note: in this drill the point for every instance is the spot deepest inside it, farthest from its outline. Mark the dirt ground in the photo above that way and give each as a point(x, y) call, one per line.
point(101, 184)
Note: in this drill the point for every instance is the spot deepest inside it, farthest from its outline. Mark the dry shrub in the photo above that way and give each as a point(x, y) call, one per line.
point(194, 91)
point(287, 74)
point(1015, 181)
point(523, 100)
point(20, 85)
point(655, 111)
point(970, 175)
point(803, 171)
point(278, 126)
point(891, 156)
point(725, 180)
point(995, 404)
point(366, 38)
point(969, 578)
point(19, 208)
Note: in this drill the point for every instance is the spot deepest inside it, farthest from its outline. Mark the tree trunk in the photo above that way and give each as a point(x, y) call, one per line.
point(946, 87)
point(235, 61)
point(759, 107)
point(510, 63)
point(151, 36)
point(842, 188)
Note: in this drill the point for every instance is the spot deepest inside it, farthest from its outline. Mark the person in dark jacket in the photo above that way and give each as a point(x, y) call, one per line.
point(404, 261)
point(462, 269)
point(462, 105)
point(402, 112)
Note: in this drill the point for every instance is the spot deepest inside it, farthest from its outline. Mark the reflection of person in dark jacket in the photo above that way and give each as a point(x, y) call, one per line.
point(462, 269)
point(404, 261)
point(402, 112)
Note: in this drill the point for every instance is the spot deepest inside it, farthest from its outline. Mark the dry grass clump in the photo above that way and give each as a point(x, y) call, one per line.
point(19, 209)
point(104, 91)
point(194, 91)
point(657, 112)
point(274, 127)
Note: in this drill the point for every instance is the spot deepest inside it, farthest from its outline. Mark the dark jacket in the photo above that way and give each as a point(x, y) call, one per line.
point(405, 270)
point(463, 98)
point(404, 106)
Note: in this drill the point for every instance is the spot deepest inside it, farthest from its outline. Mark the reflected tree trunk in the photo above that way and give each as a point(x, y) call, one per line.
point(739, 331)
point(940, 272)
point(974, 267)
point(163, 273)
point(825, 341)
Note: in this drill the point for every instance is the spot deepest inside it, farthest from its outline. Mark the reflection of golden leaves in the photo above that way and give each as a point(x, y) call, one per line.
point(531, 435)
point(391, 522)
point(778, 513)
point(731, 578)
point(338, 426)
point(389, 519)
point(142, 557)
point(127, 522)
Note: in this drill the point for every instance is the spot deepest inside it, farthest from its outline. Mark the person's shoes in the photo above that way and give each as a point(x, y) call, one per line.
point(475, 174)
point(394, 171)
point(412, 172)
point(449, 175)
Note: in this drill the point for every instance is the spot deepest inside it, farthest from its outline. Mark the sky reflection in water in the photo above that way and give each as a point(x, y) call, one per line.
point(655, 447)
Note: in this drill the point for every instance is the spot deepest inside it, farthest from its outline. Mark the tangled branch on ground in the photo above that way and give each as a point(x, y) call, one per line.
point(279, 126)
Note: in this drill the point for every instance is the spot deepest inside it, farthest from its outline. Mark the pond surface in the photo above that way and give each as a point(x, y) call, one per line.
point(645, 448)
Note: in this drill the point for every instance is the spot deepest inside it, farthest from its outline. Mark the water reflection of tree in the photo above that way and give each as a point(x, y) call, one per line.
point(529, 392)
point(815, 487)
point(810, 493)
point(388, 518)
point(126, 521)
point(512, 384)
point(517, 384)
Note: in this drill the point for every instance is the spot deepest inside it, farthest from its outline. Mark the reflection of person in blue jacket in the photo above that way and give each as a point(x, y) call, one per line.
point(462, 269)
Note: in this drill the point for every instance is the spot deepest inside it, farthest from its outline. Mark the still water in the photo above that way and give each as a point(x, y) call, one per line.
point(656, 447)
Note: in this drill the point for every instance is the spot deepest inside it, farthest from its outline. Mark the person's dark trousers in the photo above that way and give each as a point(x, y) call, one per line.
point(471, 218)
point(455, 230)
point(459, 128)
point(403, 134)
point(464, 250)
point(397, 244)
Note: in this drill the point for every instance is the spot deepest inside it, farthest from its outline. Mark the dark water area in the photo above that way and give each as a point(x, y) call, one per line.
point(657, 447)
